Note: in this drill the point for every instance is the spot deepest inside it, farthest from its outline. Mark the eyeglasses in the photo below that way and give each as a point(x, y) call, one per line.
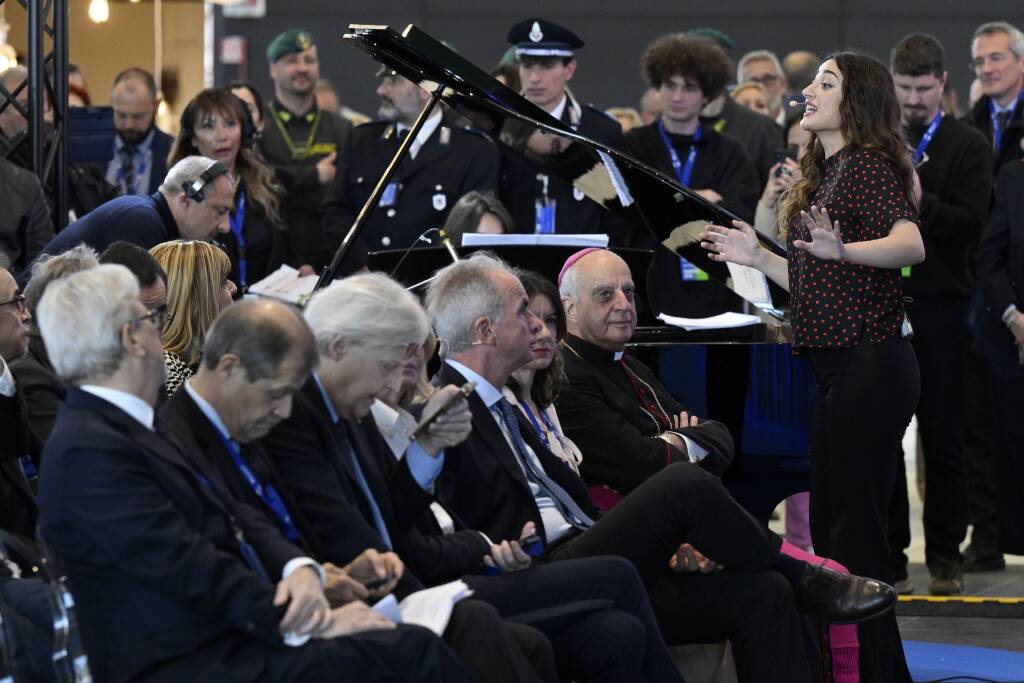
point(18, 301)
point(766, 79)
point(996, 58)
point(157, 316)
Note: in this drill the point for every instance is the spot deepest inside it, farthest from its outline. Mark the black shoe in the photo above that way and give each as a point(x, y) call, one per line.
point(842, 598)
point(983, 562)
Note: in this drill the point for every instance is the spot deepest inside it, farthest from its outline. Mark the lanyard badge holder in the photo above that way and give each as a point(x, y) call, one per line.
point(544, 221)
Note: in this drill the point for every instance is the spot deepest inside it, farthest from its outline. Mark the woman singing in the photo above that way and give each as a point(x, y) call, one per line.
point(850, 224)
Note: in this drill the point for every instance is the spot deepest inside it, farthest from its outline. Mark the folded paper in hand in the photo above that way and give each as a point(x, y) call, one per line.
point(285, 283)
point(715, 322)
point(430, 608)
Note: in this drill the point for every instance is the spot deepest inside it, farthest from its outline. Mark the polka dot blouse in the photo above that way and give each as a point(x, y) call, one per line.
point(837, 304)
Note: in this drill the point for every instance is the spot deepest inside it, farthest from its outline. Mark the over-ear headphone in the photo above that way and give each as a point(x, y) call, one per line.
point(249, 132)
point(196, 189)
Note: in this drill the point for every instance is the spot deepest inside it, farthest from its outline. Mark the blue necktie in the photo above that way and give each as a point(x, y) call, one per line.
point(364, 486)
point(572, 512)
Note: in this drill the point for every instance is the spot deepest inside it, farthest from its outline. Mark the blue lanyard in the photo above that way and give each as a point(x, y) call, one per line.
point(268, 494)
point(997, 134)
point(683, 173)
point(536, 425)
point(927, 138)
point(237, 221)
point(248, 552)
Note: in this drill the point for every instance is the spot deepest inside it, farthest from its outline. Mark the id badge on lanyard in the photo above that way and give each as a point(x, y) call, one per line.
point(544, 210)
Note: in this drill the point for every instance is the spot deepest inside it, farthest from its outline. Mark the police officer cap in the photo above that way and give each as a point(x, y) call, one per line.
point(541, 38)
point(292, 40)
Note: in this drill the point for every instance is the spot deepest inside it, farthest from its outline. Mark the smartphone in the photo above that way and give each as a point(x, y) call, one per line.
point(464, 392)
point(781, 155)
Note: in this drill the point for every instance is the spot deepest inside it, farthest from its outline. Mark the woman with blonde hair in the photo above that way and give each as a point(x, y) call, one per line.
point(217, 124)
point(198, 289)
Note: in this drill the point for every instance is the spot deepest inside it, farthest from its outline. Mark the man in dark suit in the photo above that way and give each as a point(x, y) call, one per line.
point(333, 457)
point(444, 162)
point(20, 444)
point(503, 473)
point(255, 356)
point(1000, 338)
point(141, 149)
point(177, 580)
point(540, 201)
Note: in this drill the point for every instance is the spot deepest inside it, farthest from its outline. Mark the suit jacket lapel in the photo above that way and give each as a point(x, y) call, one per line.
point(362, 451)
point(486, 426)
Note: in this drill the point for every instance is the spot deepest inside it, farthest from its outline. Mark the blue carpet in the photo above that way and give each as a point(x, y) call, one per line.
point(933, 662)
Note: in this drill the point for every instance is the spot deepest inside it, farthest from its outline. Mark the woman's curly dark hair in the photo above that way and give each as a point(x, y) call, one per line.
point(869, 119)
point(692, 57)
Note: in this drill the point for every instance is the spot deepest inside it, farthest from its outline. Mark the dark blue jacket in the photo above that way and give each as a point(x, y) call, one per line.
point(143, 220)
point(162, 590)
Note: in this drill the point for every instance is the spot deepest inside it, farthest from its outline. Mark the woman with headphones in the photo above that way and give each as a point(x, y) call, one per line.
point(217, 124)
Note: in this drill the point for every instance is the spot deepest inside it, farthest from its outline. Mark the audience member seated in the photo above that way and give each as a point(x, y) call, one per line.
point(752, 96)
point(139, 164)
point(216, 124)
point(198, 289)
point(152, 278)
point(25, 224)
point(781, 175)
point(628, 425)
point(257, 355)
point(503, 473)
point(479, 212)
point(178, 581)
point(333, 459)
point(44, 392)
point(20, 446)
point(534, 386)
point(193, 203)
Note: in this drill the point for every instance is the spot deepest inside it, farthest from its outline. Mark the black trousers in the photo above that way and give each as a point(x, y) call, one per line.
point(865, 397)
point(1008, 446)
point(404, 654)
point(596, 613)
point(982, 509)
point(940, 344)
point(491, 649)
point(748, 603)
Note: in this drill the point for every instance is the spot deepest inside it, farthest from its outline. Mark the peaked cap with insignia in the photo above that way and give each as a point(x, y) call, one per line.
point(542, 38)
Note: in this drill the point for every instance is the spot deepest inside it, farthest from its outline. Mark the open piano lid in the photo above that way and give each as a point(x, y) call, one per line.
point(671, 213)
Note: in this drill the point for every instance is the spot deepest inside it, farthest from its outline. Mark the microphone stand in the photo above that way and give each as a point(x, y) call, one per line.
point(327, 276)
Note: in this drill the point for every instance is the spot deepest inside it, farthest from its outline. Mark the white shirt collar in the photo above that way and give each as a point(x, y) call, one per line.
point(137, 408)
point(560, 107)
point(484, 389)
point(209, 411)
point(7, 385)
point(142, 147)
point(429, 126)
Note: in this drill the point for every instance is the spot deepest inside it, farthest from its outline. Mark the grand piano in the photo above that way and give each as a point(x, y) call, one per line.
point(744, 377)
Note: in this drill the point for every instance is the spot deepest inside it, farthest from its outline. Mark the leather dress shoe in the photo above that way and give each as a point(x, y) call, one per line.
point(842, 598)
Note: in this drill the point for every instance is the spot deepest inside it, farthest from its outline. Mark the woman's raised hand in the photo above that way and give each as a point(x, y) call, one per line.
point(736, 245)
point(826, 242)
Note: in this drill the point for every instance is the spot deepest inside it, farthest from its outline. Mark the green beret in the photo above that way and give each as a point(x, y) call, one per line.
point(292, 40)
